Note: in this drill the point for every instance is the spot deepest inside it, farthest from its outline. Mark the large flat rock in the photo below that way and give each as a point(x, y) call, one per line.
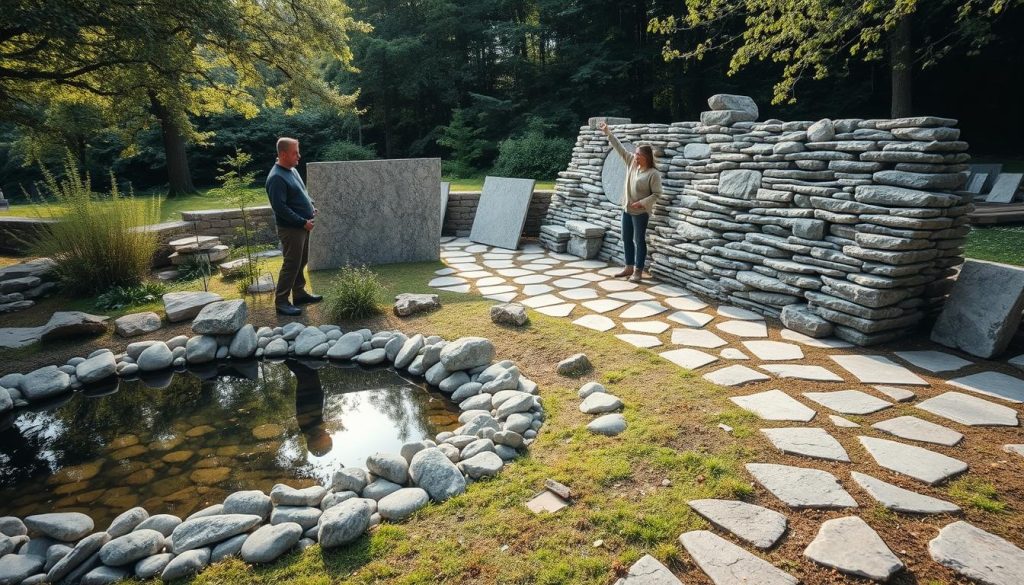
point(774, 350)
point(970, 410)
point(916, 462)
point(774, 405)
point(875, 369)
point(759, 526)
point(896, 498)
point(934, 361)
point(983, 310)
point(690, 359)
point(184, 305)
point(852, 547)
point(649, 571)
point(848, 401)
point(994, 384)
point(916, 429)
point(501, 212)
point(801, 487)
point(978, 555)
point(801, 372)
point(807, 442)
point(735, 376)
point(727, 564)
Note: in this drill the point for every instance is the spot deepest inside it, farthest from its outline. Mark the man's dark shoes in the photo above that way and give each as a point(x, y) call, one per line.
point(307, 299)
point(289, 310)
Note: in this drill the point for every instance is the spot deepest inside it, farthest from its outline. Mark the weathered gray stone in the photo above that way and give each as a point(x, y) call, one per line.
point(344, 523)
point(916, 462)
point(96, 368)
point(467, 353)
point(808, 442)
point(759, 526)
point(207, 530)
point(407, 304)
point(104, 575)
point(800, 487)
point(902, 500)
point(83, 550)
point(609, 425)
point(402, 503)
point(181, 306)
point(800, 318)
point(228, 548)
point(46, 382)
point(187, 563)
point(16, 568)
point(739, 183)
point(390, 466)
point(433, 471)
point(243, 344)
point(725, 563)
point(983, 310)
point(725, 101)
point(131, 547)
point(252, 502)
point(916, 429)
point(774, 405)
point(156, 357)
point(379, 488)
point(349, 479)
point(201, 349)
point(137, 324)
point(970, 410)
point(600, 402)
point(574, 365)
point(283, 495)
point(309, 338)
point(848, 401)
point(486, 464)
point(150, 567)
point(127, 521)
point(977, 555)
point(346, 347)
point(62, 526)
point(268, 542)
point(162, 523)
point(875, 369)
point(995, 384)
point(649, 571)
point(70, 324)
point(851, 546)
point(821, 131)
point(221, 318)
point(509, 314)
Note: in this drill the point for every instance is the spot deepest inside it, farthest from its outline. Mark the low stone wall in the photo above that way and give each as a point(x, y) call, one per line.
point(16, 232)
point(227, 224)
point(856, 224)
point(458, 220)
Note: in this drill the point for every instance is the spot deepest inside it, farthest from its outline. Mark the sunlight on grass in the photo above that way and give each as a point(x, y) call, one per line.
point(976, 493)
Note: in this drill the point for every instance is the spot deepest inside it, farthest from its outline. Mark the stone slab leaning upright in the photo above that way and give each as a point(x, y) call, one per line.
point(501, 213)
point(983, 310)
point(374, 212)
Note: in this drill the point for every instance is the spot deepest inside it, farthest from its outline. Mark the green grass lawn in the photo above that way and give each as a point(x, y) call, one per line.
point(997, 244)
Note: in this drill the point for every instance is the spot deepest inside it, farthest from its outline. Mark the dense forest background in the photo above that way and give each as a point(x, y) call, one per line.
point(503, 85)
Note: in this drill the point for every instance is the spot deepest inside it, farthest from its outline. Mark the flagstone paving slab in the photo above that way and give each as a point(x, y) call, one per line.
point(978, 555)
point(731, 353)
point(493, 290)
point(475, 274)
point(727, 564)
point(811, 442)
point(685, 303)
point(848, 401)
point(801, 372)
point(916, 462)
point(589, 277)
point(603, 305)
point(697, 338)
point(842, 422)
point(610, 271)
point(570, 283)
point(735, 376)
point(690, 359)
point(562, 310)
point(645, 341)
point(502, 297)
point(916, 429)
point(898, 499)
point(801, 487)
point(744, 328)
point(459, 288)
point(774, 405)
point(446, 281)
point(757, 525)
point(934, 361)
point(649, 571)
point(563, 271)
point(444, 271)
point(504, 264)
point(826, 342)
point(617, 285)
point(642, 310)
point(897, 394)
point(994, 384)
point(531, 279)
point(875, 369)
point(668, 290)
point(1017, 448)
point(531, 290)
point(513, 272)
point(542, 301)
point(631, 296)
point(466, 266)
point(774, 350)
point(690, 318)
point(595, 322)
point(579, 294)
point(646, 326)
point(731, 312)
point(851, 546)
point(588, 264)
point(970, 410)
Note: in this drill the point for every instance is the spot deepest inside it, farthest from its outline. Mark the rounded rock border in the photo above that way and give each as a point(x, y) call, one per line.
point(501, 413)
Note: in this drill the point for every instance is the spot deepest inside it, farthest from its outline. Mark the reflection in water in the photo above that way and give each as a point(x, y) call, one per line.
point(178, 448)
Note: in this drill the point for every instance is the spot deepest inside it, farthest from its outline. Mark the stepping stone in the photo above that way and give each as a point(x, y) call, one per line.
point(603, 305)
point(934, 361)
point(502, 297)
point(477, 248)
point(735, 376)
point(807, 442)
point(897, 394)
point(617, 285)
point(569, 283)
point(668, 290)
point(589, 277)
point(1018, 449)
point(444, 271)
point(579, 294)
point(493, 290)
point(875, 369)
point(646, 326)
point(842, 422)
point(848, 401)
point(774, 405)
point(632, 296)
point(595, 322)
point(446, 281)
point(562, 310)
point(977, 555)
point(610, 271)
point(851, 546)
point(685, 303)
point(727, 564)
point(774, 350)
point(697, 338)
point(744, 328)
point(690, 318)
point(649, 571)
point(542, 301)
point(994, 384)
point(916, 429)
point(497, 256)
point(801, 487)
point(730, 312)
point(466, 267)
point(531, 290)
point(642, 310)
point(459, 288)
point(529, 257)
point(690, 359)
point(916, 462)
point(902, 500)
point(535, 267)
point(475, 274)
point(608, 425)
point(970, 410)
point(506, 264)
point(731, 353)
point(826, 342)
point(588, 264)
point(562, 257)
point(798, 372)
point(563, 271)
point(759, 526)
point(531, 279)
point(490, 281)
point(514, 272)
point(645, 341)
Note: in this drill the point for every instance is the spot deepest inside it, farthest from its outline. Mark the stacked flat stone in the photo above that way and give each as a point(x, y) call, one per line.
point(197, 249)
point(554, 237)
point(848, 227)
point(585, 238)
point(21, 284)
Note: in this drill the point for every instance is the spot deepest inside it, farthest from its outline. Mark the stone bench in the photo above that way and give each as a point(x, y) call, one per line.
point(585, 238)
point(554, 237)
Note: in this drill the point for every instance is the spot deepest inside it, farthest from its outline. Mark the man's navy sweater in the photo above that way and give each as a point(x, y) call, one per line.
point(288, 197)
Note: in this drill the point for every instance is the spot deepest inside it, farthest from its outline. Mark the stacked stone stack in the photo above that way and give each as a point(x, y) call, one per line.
point(852, 227)
point(21, 284)
point(197, 249)
point(584, 238)
point(554, 237)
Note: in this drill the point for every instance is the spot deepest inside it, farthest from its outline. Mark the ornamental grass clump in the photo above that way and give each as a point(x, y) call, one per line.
point(95, 239)
point(355, 293)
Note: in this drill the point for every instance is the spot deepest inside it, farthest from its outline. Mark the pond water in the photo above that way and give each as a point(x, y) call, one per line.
point(196, 437)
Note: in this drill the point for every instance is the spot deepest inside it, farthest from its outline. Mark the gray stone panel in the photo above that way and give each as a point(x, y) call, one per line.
point(613, 175)
point(374, 212)
point(501, 213)
point(445, 190)
point(1004, 190)
point(983, 310)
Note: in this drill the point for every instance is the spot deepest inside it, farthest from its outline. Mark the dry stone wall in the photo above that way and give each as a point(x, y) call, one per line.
point(848, 227)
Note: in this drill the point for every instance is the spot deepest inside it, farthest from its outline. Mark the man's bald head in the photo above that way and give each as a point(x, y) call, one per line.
point(287, 152)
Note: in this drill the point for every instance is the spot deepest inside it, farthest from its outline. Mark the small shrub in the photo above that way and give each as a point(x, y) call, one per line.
point(355, 293)
point(130, 296)
point(197, 267)
point(345, 150)
point(95, 239)
point(532, 156)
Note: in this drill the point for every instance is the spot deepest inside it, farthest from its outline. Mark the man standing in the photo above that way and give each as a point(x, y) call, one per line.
point(293, 213)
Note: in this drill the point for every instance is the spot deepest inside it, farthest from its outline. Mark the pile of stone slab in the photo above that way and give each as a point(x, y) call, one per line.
point(21, 284)
point(194, 249)
point(585, 238)
point(554, 237)
point(854, 227)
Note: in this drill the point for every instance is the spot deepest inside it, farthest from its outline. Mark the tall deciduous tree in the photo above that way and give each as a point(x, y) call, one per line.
point(818, 38)
point(166, 62)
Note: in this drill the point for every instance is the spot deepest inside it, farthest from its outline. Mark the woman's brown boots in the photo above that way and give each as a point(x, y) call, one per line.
point(627, 271)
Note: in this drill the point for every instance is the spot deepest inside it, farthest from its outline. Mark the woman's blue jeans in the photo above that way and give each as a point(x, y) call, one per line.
point(634, 230)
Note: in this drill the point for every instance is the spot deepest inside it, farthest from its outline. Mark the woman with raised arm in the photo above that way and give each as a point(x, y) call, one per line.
point(643, 187)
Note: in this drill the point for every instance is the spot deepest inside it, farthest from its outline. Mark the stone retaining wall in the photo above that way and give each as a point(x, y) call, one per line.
point(227, 223)
point(458, 220)
point(852, 225)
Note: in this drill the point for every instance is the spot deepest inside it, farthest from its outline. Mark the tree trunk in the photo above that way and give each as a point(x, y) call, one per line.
point(179, 178)
point(901, 62)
